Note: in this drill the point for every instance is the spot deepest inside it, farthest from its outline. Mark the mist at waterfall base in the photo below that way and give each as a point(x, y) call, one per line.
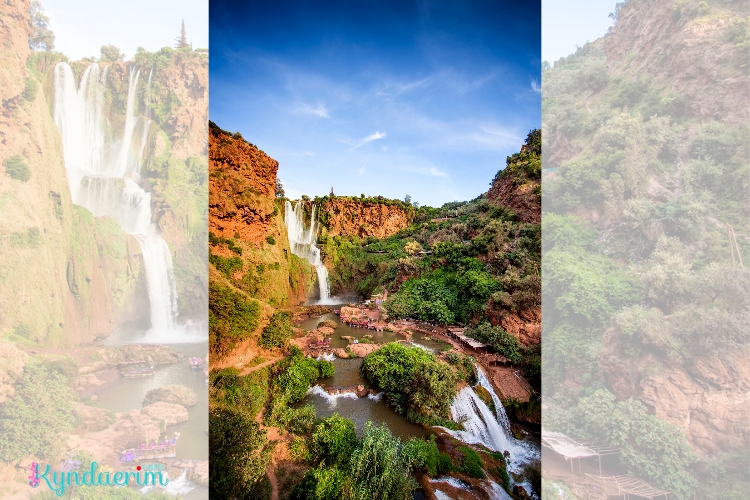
point(303, 243)
point(103, 170)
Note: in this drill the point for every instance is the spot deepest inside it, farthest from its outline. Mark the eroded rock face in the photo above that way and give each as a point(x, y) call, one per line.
point(351, 217)
point(526, 325)
point(694, 55)
point(707, 398)
point(521, 198)
point(175, 393)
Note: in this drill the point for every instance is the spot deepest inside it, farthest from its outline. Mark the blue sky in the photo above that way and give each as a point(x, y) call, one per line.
point(389, 98)
point(81, 27)
point(568, 24)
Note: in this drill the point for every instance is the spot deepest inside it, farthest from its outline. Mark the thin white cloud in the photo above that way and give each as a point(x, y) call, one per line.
point(320, 110)
point(372, 137)
point(535, 87)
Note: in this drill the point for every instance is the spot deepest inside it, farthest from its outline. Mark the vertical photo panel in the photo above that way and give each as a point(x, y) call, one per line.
point(374, 250)
point(646, 293)
point(103, 249)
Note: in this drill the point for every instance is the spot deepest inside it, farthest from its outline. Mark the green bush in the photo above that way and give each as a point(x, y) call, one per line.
point(334, 440)
point(248, 393)
point(416, 383)
point(17, 168)
point(225, 266)
point(471, 463)
point(377, 470)
point(278, 332)
point(232, 317)
point(239, 452)
point(497, 338)
point(38, 417)
point(270, 240)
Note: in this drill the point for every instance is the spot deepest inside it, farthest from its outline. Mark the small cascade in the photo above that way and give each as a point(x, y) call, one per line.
point(481, 426)
point(104, 174)
point(302, 241)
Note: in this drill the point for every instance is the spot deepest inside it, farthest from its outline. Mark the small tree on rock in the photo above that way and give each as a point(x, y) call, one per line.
point(182, 39)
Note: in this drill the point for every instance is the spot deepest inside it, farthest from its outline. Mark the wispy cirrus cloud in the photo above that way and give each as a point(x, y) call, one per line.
point(319, 110)
point(372, 137)
point(536, 87)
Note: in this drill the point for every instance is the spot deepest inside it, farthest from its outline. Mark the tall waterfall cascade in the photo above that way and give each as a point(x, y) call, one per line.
point(481, 426)
point(103, 171)
point(303, 243)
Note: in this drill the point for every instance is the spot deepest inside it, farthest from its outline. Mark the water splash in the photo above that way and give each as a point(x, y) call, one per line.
point(103, 173)
point(331, 399)
point(302, 241)
point(481, 426)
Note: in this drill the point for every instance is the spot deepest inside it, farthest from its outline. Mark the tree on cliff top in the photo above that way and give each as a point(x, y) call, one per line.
point(110, 53)
point(42, 38)
point(182, 39)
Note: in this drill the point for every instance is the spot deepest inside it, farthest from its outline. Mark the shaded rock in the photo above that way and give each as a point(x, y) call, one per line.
point(175, 393)
point(92, 418)
point(329, 323)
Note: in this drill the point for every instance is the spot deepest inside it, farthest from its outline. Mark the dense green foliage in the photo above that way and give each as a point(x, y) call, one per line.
point(415, 382)
point(17, 168)
point(248, 393)
point(644, 270)
point(232, 317)
point(422, 455)
point(36, 419)
point(372, 467)
point(497, 338)
point(291, 378)
point(278, 332)
point(651, 448)
point(239, 453)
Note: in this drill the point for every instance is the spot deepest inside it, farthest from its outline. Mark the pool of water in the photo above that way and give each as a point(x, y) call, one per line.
point(343, 330)
point(128, 394)
point(347, 374)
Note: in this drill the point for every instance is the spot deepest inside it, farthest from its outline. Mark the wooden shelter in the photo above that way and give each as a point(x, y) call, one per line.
point(571, 449)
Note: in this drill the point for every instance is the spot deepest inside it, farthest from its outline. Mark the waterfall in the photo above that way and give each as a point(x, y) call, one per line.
point(481, 426)
point(303, 244)
point(103, 174)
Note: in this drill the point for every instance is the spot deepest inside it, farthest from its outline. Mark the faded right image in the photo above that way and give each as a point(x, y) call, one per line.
point(645, 232)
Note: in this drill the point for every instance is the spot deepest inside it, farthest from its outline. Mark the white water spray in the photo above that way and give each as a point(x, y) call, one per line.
point(103, 174)
point(481, 426)
point(302, 241)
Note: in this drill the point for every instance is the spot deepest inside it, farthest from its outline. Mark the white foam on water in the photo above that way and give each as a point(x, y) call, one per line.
point(331, 399)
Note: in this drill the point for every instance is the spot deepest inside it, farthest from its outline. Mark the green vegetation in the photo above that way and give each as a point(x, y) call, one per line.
point(644, 271)
point(38, 416)
point(278, 332)
point(651, 448)
point(497, 338)
point(232, 317)
point(17, 168)
point(421, 455)
point(291, 378)
point(239, 453)
point(415, 382)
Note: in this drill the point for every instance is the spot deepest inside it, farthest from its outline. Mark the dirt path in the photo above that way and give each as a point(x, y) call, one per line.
point(258, 367)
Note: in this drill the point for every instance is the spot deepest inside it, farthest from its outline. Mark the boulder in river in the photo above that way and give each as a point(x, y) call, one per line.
point(175, 393)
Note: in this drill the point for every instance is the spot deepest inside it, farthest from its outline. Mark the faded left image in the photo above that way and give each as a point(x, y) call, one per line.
point(103, 249)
